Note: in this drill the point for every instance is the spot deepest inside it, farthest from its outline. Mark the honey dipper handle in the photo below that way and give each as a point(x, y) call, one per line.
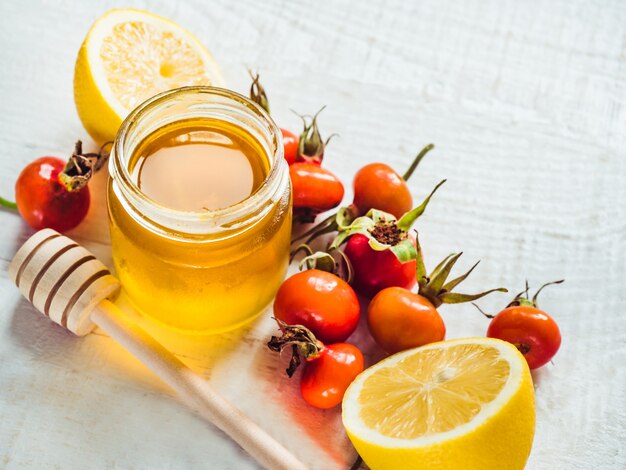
point(193, 389)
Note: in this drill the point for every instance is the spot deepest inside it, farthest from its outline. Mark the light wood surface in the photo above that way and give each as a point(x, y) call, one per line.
point(525, 103)
point(195, 391)
point(67, 284)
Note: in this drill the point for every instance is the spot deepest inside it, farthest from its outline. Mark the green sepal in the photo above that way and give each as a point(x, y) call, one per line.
point(448, 286)
point(534, 299)
point(377, 246)
point(311, 146)
point(523, 298)
point(257, 92)
point(420, 268)
point(344, 218)
point(436, 289)
point(523, 303)
point(361, 225)
point(379, 216)
point(347, 226)
point(405, 251)
point(442, 271)
point(318, 260)
point(407, 220)
point(454, 298)
point(301, 247)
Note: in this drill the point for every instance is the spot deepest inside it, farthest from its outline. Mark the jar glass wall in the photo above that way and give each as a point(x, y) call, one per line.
point(209, 270)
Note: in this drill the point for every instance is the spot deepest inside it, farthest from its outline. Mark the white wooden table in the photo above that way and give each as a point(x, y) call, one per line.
point(526, 102)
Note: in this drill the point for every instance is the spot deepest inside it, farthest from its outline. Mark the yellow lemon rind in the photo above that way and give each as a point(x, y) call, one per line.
point(490, 440)
point(99, 109)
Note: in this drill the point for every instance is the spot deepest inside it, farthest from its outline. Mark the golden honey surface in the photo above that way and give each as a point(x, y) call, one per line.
point(190, 167)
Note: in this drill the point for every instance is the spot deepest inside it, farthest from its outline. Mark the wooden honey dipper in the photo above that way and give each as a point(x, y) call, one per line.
point(69, 285)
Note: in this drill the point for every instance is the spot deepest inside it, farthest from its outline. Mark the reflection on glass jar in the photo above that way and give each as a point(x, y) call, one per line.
point(199, 208)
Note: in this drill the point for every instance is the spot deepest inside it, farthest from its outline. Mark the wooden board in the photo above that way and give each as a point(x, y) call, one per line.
point(526, 104)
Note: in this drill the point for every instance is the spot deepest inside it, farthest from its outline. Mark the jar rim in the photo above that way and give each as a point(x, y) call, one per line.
point(210, 220)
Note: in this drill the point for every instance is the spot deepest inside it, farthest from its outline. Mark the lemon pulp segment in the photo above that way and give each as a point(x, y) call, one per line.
point(432, 392)
point(141, 60)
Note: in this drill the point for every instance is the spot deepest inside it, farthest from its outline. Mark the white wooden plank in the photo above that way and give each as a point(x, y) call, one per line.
point(525, 101)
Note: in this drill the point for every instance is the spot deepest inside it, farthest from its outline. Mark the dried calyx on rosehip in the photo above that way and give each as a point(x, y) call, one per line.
point(329, 370)
point(257, 92)
point(52, 193)
point(290, 140)
point(311, 145)
point(339, 264)
point(81, 166)
point(315, 189)
point(300, 340)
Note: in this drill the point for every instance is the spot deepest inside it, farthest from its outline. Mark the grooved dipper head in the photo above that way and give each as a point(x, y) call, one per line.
point(62, 279)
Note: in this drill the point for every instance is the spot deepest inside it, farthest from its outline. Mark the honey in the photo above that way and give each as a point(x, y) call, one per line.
point(199, 165)
point(199, 208)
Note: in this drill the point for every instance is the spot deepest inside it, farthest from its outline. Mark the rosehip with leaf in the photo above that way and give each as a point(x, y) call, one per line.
point(399, 319)
point(380, 248)
point(376, 186)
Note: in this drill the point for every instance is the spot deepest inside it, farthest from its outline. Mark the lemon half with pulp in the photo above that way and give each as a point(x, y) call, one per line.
point(129, 56)
point(462, 404)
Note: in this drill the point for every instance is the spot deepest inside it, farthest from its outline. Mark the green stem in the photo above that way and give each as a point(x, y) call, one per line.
point(417, 161)
point(8, 204)
point(323, 225)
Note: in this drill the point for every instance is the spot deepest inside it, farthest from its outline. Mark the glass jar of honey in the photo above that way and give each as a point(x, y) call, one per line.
point(199, 209)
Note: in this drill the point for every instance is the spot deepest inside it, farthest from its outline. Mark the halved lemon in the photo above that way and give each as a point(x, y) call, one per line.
point(460, 404)
point(129, 56)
